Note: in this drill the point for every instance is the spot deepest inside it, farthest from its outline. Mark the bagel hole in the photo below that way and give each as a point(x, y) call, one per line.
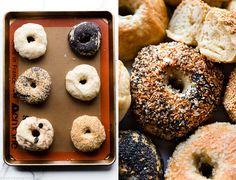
point(33, 84)
point(176, 83)
point(87, 131)
point(83, 81)
point(204, 165)
point(30, 39)
point(84, 38)
point(35, 133)
point(125, 11)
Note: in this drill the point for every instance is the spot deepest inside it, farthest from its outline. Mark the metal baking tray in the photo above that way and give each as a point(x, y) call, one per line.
point(61, 109)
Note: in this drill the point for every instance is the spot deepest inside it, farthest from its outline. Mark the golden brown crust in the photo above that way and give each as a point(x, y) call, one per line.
point(214, 144)
point(230, 96)
point(146, 26)
point(163, 110)
point(226, 18)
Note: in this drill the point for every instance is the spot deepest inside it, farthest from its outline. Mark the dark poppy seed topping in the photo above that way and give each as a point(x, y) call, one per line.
point(85, 38)
point(138, 158)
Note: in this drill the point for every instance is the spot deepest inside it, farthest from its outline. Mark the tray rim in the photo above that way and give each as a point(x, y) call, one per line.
point(59, 14)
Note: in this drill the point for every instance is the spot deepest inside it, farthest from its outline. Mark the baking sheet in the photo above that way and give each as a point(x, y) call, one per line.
point(61, 108)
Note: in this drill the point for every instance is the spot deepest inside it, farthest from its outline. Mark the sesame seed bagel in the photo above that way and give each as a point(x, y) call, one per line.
point(33, 86)
point(230, 96)
point(87, 133)
point(208, 154)
point(174, 89)
point(138, 157)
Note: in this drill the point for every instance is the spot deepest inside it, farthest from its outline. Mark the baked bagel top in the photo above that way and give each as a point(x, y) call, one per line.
point(174, 89)
point(141, 22)
point(210, 153)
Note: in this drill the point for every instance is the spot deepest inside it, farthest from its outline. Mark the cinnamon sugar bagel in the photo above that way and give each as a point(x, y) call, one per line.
point(174, 89)
point(141, 22)
point(208, 154)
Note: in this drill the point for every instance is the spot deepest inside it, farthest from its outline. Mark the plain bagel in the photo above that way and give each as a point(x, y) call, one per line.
point(141, 22)
point(124, 90)
point(83, 82)
point(30, 40)
point(34, 134)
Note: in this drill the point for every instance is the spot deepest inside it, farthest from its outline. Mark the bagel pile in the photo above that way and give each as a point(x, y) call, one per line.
point(174, 84)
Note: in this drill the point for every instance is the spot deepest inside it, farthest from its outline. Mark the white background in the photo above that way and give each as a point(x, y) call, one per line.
point(51, 173)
